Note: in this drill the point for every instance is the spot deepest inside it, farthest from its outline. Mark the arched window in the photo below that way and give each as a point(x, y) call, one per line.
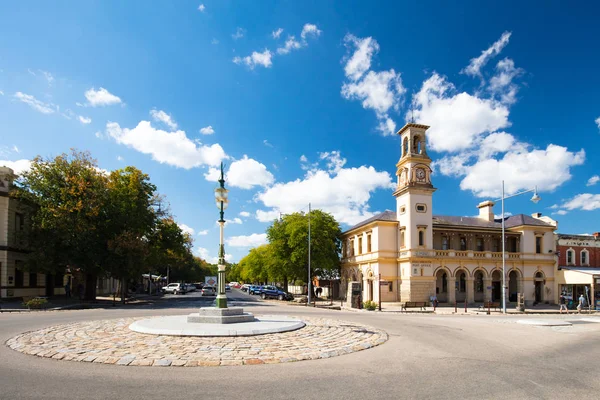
point(415, 144)
point(444, 283)
point(462, 282)
point(585, 257)
point(479, 281)
point(405, 147)
point(570, 256)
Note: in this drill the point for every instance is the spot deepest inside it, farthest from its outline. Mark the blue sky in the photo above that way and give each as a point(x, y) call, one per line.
point(301, 99)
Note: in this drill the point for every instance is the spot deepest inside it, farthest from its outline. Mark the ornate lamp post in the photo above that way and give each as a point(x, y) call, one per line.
point(222, 202)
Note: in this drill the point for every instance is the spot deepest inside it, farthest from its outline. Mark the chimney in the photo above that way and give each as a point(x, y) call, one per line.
point(536, 215)
point(486, 210)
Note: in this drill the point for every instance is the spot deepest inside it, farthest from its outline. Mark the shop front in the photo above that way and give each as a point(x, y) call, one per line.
point(576, 282)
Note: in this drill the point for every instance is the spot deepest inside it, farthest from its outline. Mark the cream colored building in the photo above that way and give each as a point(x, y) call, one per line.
point(411, 254)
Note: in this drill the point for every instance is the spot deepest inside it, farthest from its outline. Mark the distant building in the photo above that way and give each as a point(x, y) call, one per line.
point(579, 267)
point(411, 254)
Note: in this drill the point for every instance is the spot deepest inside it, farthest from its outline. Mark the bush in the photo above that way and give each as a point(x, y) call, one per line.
point(36, 303)
point(370, 305)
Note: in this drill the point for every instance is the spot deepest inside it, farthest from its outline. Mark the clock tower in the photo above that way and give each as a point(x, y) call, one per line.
point(414, 190)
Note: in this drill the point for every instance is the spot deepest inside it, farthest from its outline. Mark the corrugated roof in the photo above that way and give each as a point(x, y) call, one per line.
point(387, 215)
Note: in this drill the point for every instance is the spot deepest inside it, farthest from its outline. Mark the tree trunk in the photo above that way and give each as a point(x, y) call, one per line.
point(90, 287)
point(285, 283)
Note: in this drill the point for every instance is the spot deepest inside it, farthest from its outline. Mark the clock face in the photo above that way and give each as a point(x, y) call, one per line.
point(420, 173)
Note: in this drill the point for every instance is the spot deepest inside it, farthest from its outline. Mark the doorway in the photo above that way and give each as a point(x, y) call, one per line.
point(496, 286)
point(49, 285)
point(539, 287)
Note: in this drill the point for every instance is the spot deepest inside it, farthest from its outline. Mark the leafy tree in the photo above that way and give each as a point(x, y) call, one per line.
point(66, 197)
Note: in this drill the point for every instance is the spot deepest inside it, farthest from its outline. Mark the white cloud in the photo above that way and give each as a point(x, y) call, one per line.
point(204, 254)
point(18, 166)
point(239, 33)
point(290, 44)
point(173, 148)
point(255, 59)
point(344, 193)
point(309, 30)
point(119, 158)
point(2, 94)
point(593, 180)
point(186, 229)
point(234, 221)
point(253, 240)
point(245, 214)
point(379, 91)
point(303, 158)
point(501, 84)
point(203, 233)
point(16, 149)
point(213, 174)
point(584, 201)
point(207, 130)
point(267, 216)
point(561, 212)
point(598, 122)
point(161, 116)
point(547, 169)
point(201, 8)
point(84, 120)
point(247, 173)
point(44, 108)
point(474, 67)
point(335, 162)
point(277, 33)
point(266, 143)
point(457, 120)
point(101, 97)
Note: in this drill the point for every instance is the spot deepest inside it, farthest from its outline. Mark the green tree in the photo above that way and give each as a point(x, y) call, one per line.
point(66, 197)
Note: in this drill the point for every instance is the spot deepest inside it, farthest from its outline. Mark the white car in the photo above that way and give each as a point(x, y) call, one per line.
point(175, 288)
point(208, 291)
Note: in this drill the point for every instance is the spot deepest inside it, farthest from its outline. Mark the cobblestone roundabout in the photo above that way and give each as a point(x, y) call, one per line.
point(111, 342)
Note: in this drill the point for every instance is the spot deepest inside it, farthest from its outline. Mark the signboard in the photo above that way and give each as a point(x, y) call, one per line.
point(210, 280)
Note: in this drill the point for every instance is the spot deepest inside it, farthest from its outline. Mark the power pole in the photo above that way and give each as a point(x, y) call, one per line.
point(309, 275)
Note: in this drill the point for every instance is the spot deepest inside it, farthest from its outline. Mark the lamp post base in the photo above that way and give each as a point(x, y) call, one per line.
point(221, 302)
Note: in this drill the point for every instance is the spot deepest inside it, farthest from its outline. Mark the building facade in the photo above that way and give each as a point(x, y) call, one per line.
point(579, 268)
point(410, 254)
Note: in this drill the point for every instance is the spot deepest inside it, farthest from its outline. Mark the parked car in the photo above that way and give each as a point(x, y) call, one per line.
point(273, 292)
point(198, 286)
point(174, 288)
point(245, 287)
point(254, 289)
point(227, 288)
point(189, 287)
point(208, 290)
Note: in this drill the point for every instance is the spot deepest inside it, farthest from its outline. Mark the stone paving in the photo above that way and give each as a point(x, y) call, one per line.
point(112, 342)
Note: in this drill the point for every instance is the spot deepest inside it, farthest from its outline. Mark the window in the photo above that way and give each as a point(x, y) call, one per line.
point(18, 274)
point(538, 244)
point(402, 209)
point(512, 244)
point(402, 243)
point(32, 279)
point(479, 282)
point(444, 242)
point(421, 208)
point(421, 238)
point(368, 243)
point(570, 256)
point(479, 244)
point(391, 286)
point(19, 221)
point(463, 243)
point(444, 283)
point(360, 248)
point(351, 248)
point(496, 245)
point(584, 257)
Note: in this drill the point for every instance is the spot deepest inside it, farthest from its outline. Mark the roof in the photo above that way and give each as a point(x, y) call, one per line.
point(387, 215)
point(512, 221)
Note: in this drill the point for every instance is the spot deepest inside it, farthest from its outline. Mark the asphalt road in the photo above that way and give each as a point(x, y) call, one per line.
point(427, 356)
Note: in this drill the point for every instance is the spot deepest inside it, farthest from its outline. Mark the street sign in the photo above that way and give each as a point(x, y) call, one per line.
point(210, 280)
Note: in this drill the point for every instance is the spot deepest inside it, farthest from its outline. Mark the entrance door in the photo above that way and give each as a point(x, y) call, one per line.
point(370, 290)
point(496, 291)
point(538, 291)
point(49, 285)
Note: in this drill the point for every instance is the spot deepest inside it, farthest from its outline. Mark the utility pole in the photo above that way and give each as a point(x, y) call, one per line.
point(309, 275)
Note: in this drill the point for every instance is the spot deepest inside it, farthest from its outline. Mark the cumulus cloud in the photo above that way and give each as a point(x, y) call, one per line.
point(207, 130)
point(37, 105)
point(344, 192)
point(502, 85)
point(84, 120)
point(101, 97)
point(205, 254)
point(173, 148)
point(290, 44)
point(186, 229)
point(161, 116)
point(598, 122)
point(256, 58)
point(378, 91)
point(244, 214)
point(474, 67)
point(247, 173)
point(203, 233)
point(583, 201)
point(593, 180)
point(253, 240)
point(309, 30)
point(276, 34)
point(201, 8)
point(18, 166)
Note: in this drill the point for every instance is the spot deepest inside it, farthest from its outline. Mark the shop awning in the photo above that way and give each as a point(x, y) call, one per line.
point(589, 271)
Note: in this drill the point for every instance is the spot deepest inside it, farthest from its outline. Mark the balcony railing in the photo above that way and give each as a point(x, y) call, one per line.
point(490, 255)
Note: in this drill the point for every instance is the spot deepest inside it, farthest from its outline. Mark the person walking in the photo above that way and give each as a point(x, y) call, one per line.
point(563, 304)
point(581, 303)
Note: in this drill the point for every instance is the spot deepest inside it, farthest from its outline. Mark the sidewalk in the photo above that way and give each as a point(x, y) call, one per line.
point(73, 303)
point(472, 309)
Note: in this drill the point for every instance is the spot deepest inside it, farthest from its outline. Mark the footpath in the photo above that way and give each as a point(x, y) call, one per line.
point(63, 303)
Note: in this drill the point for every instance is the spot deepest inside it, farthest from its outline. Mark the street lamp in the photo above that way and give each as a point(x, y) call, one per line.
point(222, 202)
point(535, 199)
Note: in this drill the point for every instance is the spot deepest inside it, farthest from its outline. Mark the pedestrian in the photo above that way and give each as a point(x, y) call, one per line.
point(319, 290)
point(68, 290)
point(581, 303)
point(563, 303)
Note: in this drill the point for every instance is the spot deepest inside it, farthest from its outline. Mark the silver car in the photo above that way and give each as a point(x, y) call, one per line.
point(208, 291)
